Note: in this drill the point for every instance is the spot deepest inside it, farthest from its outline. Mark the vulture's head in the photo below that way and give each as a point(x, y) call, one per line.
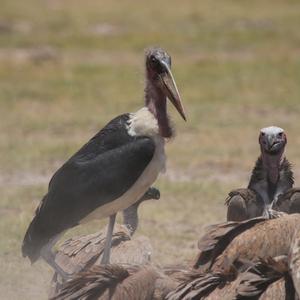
point(158, 71)
point(152, 194)
point(272, 140)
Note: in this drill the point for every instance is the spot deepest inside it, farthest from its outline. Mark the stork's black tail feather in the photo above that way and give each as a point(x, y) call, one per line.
point(33, 242)
point(34, 239)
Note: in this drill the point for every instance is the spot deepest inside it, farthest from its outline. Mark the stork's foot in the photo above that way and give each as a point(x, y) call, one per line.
point(62, 277)
point(65, 276)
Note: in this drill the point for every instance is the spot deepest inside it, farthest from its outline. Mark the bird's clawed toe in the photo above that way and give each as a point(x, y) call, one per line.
point(273, 214)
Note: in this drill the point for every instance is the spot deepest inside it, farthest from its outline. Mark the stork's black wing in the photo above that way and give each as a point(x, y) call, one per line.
point(101, 171)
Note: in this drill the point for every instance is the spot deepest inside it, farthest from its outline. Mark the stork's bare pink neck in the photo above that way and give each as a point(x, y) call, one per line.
point(156, 102)
point(272, 165)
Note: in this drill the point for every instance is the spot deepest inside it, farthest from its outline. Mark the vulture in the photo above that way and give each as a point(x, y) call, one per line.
point(111, 171)
point(227, 248)
point(294, 262)
point(81, 253)
point(270, 187)
point(234, 242)
point(121, 282)
point(265, 280)
point(253, 258)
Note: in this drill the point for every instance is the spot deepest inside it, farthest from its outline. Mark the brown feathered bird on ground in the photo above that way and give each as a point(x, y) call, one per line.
point(270, 186)
point(226, 247)
point(80, 253)
point(226, 251)
point(294, 262)
point(230, 242)
point(121, 282)
point(110, 282)
point(266, 279)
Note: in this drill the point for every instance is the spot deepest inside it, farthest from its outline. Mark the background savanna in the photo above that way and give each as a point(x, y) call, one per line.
point(67, 67)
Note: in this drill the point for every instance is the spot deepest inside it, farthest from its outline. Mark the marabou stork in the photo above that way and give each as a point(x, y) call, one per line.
point(111, 171)
point(271, 178)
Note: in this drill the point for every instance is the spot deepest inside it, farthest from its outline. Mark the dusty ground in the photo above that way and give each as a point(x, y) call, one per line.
point(66, 68)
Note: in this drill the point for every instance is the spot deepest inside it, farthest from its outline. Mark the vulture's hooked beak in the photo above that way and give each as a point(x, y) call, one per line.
point(271, 142)
point(170, 88)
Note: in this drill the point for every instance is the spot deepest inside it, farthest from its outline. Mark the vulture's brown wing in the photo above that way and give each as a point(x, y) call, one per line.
point(111, 282)
point(79, 253)
point(258, 278)
point(217, 238)
point(289, 202)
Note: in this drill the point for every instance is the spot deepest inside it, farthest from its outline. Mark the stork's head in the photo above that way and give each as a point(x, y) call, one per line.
point(158, 72)
point(272, 140)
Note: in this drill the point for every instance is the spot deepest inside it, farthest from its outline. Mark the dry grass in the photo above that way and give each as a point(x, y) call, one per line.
point(66, 68)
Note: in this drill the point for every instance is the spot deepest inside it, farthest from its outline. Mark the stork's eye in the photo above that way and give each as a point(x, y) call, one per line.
point(155, 64)
point(153, 59)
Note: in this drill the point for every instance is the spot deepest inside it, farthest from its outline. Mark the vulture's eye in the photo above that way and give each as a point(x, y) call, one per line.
point(280, 134)
point(263, 134)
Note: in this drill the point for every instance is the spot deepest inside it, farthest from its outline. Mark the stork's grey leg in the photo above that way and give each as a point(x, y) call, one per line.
point(110, 229)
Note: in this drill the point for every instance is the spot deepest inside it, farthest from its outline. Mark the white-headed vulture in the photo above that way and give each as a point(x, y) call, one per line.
point(270, 183)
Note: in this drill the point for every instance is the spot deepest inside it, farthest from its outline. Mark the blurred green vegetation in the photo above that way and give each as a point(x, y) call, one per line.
point(68, 67)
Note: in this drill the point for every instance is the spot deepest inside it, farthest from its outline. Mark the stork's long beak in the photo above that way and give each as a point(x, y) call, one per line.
point(170, 88)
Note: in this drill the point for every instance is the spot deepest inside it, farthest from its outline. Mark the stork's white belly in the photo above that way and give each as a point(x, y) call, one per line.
point(138, 189)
